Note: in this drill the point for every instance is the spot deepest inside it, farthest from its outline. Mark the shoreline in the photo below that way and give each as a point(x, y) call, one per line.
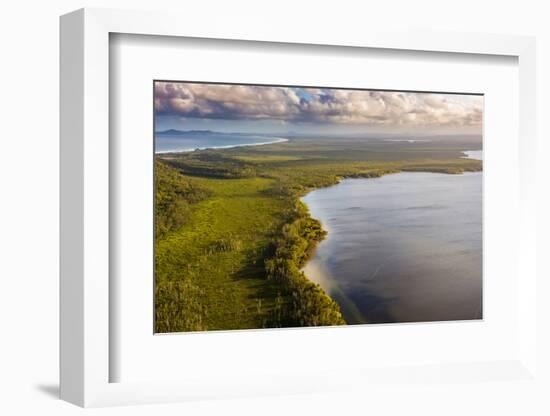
point(189, 150)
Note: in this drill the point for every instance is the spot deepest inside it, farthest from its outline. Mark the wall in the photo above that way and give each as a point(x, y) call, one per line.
point(29, 220)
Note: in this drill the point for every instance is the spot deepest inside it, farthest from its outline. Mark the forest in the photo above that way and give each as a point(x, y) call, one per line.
point(232, 235)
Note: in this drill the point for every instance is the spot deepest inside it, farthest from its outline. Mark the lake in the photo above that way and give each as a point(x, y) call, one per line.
point(473, 154)
point(189, 141)
point(405, 247)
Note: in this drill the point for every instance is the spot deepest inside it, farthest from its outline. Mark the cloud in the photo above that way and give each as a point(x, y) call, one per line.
point(230, 102)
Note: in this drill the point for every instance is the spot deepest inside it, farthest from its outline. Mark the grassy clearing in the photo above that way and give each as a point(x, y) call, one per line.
point(232, 234)
point(219, 256)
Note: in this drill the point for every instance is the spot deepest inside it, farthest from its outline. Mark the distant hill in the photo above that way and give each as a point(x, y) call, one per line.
point(174, 132)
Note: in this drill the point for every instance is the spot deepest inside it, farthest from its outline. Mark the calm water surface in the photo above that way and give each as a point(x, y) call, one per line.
point(405, 247)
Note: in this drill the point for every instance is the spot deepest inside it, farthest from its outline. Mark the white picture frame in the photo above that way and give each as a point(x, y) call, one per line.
point(85, 212)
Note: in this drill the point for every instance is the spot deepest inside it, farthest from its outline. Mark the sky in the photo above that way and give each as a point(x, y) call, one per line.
point(295, 110)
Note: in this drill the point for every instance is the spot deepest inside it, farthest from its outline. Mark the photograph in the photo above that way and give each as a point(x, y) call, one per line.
point(284, 206)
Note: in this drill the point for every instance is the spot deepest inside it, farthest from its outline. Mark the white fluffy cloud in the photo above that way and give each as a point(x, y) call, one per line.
point(316, 105)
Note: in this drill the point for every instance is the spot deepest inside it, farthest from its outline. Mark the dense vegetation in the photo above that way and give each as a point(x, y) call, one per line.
point(232, 234)
point(310, 305)
point(173, 197)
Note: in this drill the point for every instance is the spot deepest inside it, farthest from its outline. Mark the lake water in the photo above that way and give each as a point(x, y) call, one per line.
point(405, 247)
point(473, 154)
point(188, 142)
